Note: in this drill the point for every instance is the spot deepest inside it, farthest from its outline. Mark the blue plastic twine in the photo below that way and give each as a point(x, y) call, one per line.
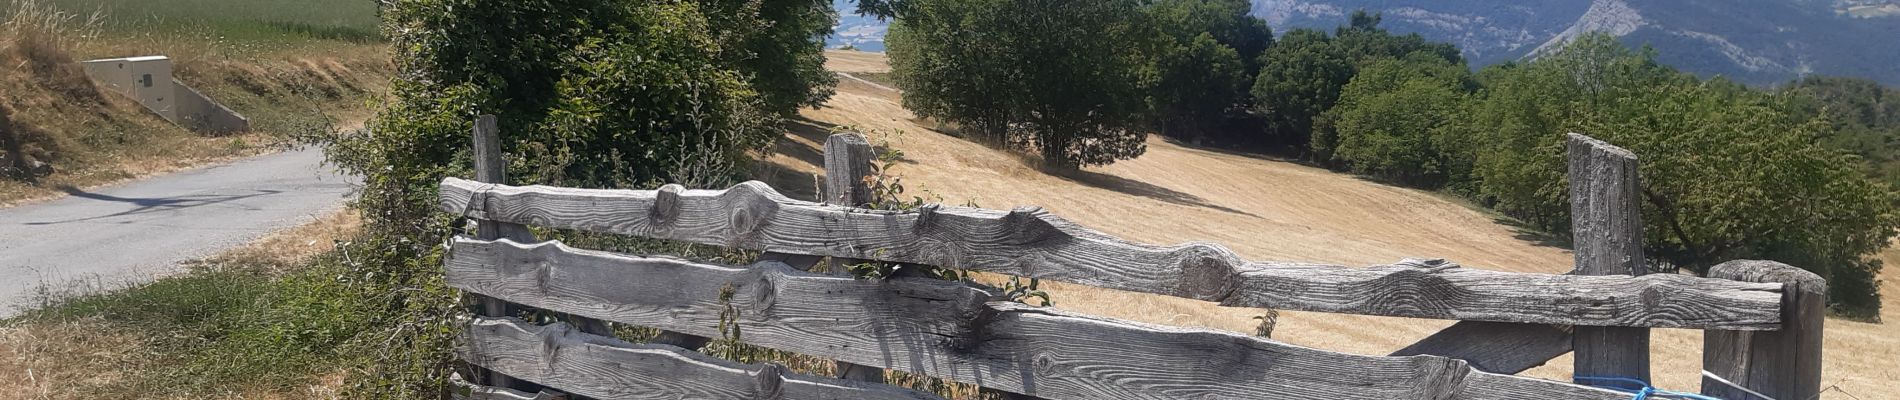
point(1644, 391)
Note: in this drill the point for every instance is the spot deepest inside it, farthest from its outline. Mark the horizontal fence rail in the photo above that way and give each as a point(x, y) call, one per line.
point(922, 325)
point(607, 368)
point(1033, 243)
point(1764, 318)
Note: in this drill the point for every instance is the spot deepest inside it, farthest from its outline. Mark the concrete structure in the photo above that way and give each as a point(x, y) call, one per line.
point(149, 80)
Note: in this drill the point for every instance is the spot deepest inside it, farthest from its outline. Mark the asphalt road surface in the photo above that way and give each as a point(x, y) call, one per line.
point(131, 232)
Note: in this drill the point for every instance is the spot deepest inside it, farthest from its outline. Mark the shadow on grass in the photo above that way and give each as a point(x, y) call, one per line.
point(1142, 189)
point(1526, 232)
point(817, 132)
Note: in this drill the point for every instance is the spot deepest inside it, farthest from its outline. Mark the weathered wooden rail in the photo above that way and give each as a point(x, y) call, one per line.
point(1763, 316)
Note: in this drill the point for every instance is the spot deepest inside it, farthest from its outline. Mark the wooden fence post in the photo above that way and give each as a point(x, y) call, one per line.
point(1605, 217)
point(1783, 364)
point(848, 158)
point(489, 169)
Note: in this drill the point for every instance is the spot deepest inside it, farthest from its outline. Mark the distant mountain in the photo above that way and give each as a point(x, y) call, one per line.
point(1759, 42)
point(1753, 41)
point(858, 31)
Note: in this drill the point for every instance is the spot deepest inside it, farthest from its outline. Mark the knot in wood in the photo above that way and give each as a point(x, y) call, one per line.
point(1208, 272)
point(551, 339)
point(1046, 366)
point(975, 328)
point(764, 294)
point(751, 208)
point(769, 382)
point(666, 204)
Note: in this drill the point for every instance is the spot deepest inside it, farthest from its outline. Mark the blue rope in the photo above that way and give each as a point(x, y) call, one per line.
point(1644, 390)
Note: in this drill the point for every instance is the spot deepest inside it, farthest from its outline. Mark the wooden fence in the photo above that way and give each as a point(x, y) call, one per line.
point(1763, 318)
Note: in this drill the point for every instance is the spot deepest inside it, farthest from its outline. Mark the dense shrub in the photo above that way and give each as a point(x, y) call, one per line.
point(589, 93)
point(1392, 121)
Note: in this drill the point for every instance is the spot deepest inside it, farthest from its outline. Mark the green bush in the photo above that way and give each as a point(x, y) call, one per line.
point(1392, 121)
point(588, 93)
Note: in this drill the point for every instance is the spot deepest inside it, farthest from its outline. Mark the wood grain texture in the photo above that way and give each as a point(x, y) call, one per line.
point(1030, 242)
point(848, 159)
point(1784, 364)
point(490, 169)
point(1606, 221)
point(1499, 347)
point(953, 331)
point(464, 390)
point(606, 368)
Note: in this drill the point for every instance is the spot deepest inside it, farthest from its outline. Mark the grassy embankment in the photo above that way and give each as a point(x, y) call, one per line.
point(257, 322)
point(290, 66)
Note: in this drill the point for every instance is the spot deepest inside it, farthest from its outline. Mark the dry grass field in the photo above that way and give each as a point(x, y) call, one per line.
point(1268, 209)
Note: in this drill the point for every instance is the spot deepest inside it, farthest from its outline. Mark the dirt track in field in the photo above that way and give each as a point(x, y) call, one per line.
point(1269, 209)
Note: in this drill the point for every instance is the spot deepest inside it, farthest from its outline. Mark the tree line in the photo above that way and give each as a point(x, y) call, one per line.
point(1800, 174)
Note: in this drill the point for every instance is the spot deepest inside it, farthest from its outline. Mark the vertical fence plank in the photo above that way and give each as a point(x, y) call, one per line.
point(489, 169)
point(1605, 207)
point(848, 158)
point(664, 208)
point(1783, 364)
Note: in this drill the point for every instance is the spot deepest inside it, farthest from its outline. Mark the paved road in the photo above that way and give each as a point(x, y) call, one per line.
point(129, 232)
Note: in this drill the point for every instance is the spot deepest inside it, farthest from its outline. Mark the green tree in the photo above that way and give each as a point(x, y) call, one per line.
point(1057, 77)
point(778, 46)
point(1198, 76)
point(1727, 172)
point(1394, 121)
point(1527, 108)
point(1229, 22)
point(1301, 76)
point(1865, 118)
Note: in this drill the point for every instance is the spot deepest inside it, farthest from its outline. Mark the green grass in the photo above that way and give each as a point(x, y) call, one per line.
point(236, 20)
point(221, 332)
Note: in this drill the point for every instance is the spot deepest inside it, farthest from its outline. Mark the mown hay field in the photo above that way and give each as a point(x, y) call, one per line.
point(1269, 209)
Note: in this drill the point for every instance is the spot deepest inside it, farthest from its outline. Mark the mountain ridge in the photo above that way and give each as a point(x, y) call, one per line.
point(1758, 42)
